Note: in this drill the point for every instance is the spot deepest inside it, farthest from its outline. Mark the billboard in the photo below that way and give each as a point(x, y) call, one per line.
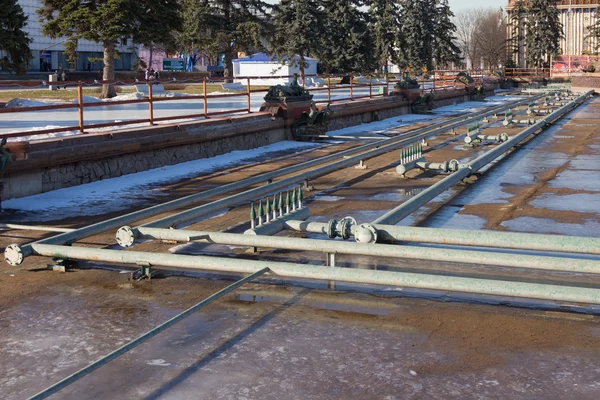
point(173, 64)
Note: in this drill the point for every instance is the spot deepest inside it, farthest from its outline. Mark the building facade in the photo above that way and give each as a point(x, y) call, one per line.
point(576, 16)
point(48, 54)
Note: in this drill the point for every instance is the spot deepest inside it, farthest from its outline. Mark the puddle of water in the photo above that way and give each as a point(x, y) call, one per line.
point(203, 248)
point(586, 163)
point(546, 225)
point(585, 203)
point(216, 214)
point(577, 180)
point(399, 195)
point(321, 305)
point(449, 218)
point(327, 198)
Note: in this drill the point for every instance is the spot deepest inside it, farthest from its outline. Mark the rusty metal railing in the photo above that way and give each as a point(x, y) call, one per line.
point(440, 81)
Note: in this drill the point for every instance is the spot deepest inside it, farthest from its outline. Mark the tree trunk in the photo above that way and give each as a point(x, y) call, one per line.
point(228, 67)
point(108, 91)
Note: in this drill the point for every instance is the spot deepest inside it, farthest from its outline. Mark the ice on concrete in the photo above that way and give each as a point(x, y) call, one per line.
point(327, 198)
point(115, 194)
point(43, 136)
point(380, 127)
point(547, 225)
point(472, 106)
point(577, 180)
point(585, 162)
point(581, 202)
point(449, 218)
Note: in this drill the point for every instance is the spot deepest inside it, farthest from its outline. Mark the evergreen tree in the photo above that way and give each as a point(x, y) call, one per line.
point(298, 31)
point(224, 27)
point(108, 22)
point(13, 40)
point(543, 31)
point(594, 32)
point(418, 32)
point(194, 36)
point(345, 37)
point(444, 48)
point(385, 28)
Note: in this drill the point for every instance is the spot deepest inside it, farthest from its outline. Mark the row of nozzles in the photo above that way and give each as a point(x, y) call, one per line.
point(411, 153)
point(271, 209)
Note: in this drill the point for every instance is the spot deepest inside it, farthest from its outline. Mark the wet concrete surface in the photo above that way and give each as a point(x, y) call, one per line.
point(306, 341)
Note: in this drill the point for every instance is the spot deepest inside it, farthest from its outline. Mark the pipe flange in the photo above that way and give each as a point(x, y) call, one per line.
point(503, 137)
point(13, 254)
point(453, 165)
point(331, 229)
point(345, 227)
point(366, 233)
point(125, 237)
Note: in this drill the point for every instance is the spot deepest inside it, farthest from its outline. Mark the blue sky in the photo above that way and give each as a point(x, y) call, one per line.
point(457, 5)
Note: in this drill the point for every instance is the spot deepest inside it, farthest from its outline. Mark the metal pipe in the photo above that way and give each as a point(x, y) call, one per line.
point(126, 236)
point(408, 207)
point(376, 149)
point(304, 271)
point(143, 338)
point(382, 148)
point(479, 238)
point(35, 228)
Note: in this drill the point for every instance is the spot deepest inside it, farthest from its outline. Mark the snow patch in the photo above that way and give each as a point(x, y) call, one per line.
point(128, 96)
point(115, 194)
point(158, 363)
point(20, 103)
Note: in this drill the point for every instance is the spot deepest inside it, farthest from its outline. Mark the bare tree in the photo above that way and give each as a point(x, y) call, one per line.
point(467, 25)
point(491, 39)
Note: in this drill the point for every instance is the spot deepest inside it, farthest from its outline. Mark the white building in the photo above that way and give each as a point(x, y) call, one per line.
point(265, 71)
point(576, 16)
point(48, 53)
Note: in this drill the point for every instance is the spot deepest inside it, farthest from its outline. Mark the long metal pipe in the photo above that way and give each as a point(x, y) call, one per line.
point(459, 237)
point(365, 249)
point(35, 228)
point(378, 148)
point(408, 207)
point(382, 148)
point(143, 338)
point(312, 272)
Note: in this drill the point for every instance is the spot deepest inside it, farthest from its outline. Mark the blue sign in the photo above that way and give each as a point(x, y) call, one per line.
point(45, 54)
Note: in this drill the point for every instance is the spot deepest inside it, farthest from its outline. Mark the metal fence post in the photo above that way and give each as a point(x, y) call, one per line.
point(370, 86)
point(204, 99)
point(150, 105)
point(329, 88)
point(248, 92)
point(80, 106)
point(387, 83)
point(351, 87)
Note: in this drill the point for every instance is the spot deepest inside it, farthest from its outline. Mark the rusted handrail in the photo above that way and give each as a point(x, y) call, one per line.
point(440, 83)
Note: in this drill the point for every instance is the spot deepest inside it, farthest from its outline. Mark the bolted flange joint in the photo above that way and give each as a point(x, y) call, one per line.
point(503, 137)
point(341, 228)
point(332, 229)
point(125, 236)
point(453, 166)
point(13, 254)
point(345, 227)
point(366, 233)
